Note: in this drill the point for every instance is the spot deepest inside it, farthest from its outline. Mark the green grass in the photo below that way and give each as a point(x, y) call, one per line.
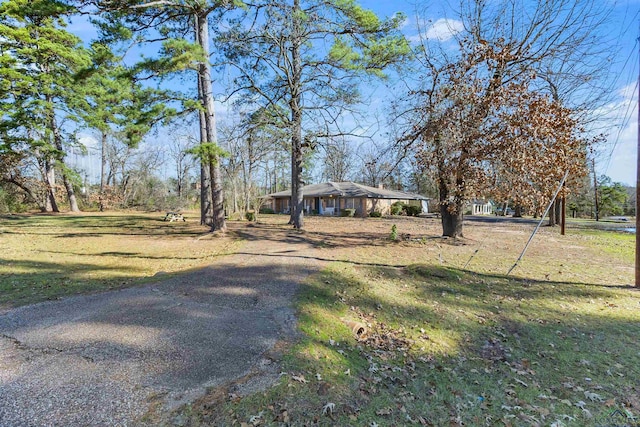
point(619, 245)
point(49, 256)
point(448, 346)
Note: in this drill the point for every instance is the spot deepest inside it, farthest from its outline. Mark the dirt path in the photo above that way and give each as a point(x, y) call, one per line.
point(106, 359)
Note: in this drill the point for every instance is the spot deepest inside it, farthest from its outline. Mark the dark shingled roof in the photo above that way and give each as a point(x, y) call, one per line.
point(350, 189)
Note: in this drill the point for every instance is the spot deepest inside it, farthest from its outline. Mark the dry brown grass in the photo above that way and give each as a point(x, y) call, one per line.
point(581, 256)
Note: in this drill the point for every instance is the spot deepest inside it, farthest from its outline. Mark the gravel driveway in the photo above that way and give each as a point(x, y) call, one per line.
point(105, 359)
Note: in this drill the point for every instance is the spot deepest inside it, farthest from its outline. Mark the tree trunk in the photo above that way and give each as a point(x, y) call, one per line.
point(111, 178)
point(517, 213)
point(71, 194)
point(247, 192)
point(294, 184)
point(179, 176)
point(451, 212)
point(219, 222)
point(103, 161)
point(206, 201)
point(275, 177)
point(50, 203)
point(206, 120)
point(57, 141)
point(451, 222)
point(204, 74)
point(297, 211)
point(552, 216)
point(103, 169)
point(234, 189)
point(297, 195)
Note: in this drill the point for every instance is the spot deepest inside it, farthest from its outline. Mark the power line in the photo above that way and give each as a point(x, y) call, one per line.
point(625, 121)
point(625, 28)
point(629, 110)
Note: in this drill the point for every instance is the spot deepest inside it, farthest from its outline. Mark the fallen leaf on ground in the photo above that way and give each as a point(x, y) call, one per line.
point(328, 408)
point(299, 378)
point(594, 397)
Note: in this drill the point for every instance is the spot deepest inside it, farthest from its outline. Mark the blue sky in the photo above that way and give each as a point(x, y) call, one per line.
point(617, 157)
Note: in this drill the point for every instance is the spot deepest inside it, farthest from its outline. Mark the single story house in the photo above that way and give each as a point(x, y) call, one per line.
point(331, 198)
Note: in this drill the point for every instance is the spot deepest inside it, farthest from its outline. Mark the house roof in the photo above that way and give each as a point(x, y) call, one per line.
point(350, 189)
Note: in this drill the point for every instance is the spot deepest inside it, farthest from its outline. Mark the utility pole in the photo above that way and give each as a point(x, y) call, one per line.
point(595, 187)
point(638, 186)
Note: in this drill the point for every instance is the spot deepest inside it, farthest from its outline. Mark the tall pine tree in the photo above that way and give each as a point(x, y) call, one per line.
point(183, 28)
point(110, 100)
point(38, 62)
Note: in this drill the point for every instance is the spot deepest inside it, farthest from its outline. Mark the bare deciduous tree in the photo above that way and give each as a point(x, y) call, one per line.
point(338, 160)
point(179, 150)
point(484, 117)
point(251, 142)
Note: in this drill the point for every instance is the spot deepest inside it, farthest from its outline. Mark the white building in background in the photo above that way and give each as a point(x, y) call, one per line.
point(481, 207)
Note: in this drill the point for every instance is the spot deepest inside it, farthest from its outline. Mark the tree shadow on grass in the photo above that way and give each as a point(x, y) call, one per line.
point(51, 280)
point(481, 347)
point(139, 255)
point(95, 226)
point(282, 233)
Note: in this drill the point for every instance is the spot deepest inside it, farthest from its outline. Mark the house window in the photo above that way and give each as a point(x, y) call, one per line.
point(330, 203)
point(350, 203)
point(284, 206)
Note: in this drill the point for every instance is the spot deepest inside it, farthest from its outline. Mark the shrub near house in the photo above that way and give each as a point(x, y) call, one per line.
point(401, 208)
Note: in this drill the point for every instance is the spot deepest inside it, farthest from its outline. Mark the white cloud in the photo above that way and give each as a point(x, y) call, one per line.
point(442, 30)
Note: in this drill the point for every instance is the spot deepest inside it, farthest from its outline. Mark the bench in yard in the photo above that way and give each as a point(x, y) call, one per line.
point(174, 216)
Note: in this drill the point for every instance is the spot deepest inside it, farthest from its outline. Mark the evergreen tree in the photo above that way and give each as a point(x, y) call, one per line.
point(613, 197)
point(183, 29)
point(38, 61)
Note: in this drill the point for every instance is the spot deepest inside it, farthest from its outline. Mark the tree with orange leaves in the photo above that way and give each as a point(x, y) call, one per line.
point(486, 118)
